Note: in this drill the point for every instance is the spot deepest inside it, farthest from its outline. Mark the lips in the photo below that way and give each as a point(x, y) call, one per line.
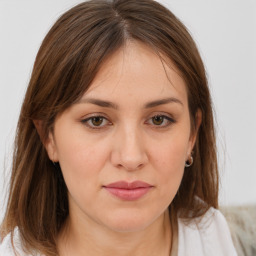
point(128, 190)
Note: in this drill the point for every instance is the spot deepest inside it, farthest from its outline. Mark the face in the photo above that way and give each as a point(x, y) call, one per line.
point(123, 146)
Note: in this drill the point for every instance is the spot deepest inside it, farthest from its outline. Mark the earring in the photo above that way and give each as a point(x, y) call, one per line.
point(56, 165)
point(189, 162)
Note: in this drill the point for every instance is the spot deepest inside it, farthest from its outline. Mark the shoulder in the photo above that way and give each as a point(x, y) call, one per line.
point(207, 235)
point(6, 247)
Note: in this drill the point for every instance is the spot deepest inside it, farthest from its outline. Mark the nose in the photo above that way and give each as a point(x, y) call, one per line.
point(129, 150)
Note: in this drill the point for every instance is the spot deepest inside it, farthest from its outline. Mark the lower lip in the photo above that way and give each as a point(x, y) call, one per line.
point(128, 194)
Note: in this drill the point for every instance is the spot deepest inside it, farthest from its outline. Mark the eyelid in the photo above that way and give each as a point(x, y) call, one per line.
point(99, 115)
point(167, 117)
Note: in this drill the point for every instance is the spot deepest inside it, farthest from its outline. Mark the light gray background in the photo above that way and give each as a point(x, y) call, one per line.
point(225, 31)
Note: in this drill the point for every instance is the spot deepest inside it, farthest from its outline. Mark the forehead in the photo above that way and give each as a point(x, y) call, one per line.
point(136, 72)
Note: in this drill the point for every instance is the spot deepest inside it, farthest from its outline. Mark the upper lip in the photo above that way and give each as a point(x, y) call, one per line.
point(128, 185)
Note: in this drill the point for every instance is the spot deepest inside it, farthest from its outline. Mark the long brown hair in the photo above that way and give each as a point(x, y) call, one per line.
point(66, 64)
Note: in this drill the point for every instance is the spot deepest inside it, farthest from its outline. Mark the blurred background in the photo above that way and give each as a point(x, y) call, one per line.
point(225, 32)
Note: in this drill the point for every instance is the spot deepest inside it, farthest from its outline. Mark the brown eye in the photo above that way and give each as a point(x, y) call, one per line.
point(161, 121)
point(97, 120)
point(158, 120)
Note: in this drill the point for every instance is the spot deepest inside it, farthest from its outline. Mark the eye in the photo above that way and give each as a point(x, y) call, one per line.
point(161, 120)
point(95, 122)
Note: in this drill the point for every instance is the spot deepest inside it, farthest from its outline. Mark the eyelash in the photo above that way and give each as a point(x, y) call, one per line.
point(87, 120)
point(167, 119)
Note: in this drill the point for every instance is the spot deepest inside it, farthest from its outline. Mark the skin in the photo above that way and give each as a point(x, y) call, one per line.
point(129, 144)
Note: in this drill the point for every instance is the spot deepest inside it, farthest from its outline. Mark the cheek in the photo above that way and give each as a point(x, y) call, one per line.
point(170, 153)
point(81, 161)
point(169, 162)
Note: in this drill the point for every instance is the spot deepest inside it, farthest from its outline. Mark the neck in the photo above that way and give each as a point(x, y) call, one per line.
point(76, 239)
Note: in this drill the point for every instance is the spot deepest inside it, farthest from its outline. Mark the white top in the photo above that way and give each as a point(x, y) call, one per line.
point(206, 236)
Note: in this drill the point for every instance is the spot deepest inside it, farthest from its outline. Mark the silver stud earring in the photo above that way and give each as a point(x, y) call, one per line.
point(189, 162)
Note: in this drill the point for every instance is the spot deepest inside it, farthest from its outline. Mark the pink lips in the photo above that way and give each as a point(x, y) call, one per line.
point(128, 190)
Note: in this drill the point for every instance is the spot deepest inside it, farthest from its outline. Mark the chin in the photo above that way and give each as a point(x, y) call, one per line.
point(129, 222)
point(127, 226)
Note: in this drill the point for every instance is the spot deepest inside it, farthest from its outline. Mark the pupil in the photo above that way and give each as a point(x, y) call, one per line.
point(158, 120)
point(97, 121)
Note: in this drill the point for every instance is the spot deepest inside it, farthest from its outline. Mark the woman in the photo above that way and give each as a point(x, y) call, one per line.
point(115, 149)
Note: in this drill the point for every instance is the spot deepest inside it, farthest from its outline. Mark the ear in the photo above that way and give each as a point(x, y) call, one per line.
point(48, 141)
point(193, 136)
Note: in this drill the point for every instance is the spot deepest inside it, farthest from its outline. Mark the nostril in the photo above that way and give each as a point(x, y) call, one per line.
point(128, 151)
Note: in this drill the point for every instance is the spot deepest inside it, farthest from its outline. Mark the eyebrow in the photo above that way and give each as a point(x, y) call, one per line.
point(98, 102)
point(162, 102)
point(108, 104)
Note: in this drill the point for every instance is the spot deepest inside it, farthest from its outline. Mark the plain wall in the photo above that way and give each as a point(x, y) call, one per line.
point(225, 32)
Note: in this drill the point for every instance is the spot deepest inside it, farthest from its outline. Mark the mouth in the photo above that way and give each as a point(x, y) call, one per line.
point(128, 191)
